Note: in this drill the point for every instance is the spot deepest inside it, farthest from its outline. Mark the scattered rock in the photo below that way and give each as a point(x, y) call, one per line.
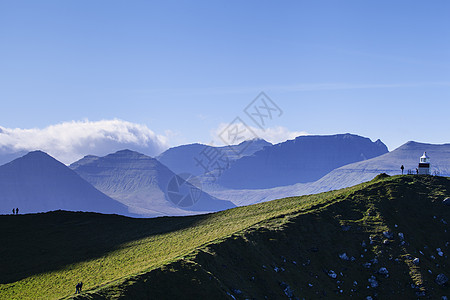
point(444, 222)
point(374, 261)
point(363, 244)
point(287, 289)
point(373, 281)
point(416, 261)
point(369, 298)
point(388, 234)
point(367, 265)
point(446, 201)
point(439, 252)
point(236, 291)
point(332, 274)
point(444, 298)
point(386, 242)
point(433, 257)
point(401, 236)
point(355, 283)
point(441, 279)
point(344, 256)
point(383, 271)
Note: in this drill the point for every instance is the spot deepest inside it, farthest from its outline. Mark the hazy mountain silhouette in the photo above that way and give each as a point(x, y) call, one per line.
point(185, 158)
point(143, 184)
point(37, 182)
point(407, 155)
point(304, 159)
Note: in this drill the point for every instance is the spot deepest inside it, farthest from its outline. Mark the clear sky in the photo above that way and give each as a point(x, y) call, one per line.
point(380, 69)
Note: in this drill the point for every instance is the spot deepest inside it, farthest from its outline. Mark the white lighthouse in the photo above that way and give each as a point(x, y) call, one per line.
point(424, 165)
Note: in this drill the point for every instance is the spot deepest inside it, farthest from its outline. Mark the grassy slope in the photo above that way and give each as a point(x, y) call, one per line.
point(238, 251)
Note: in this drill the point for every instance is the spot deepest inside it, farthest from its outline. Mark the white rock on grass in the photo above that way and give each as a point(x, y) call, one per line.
point(332, 274)
point(416, 261)
point(373, 281)
point(383, 271)
point(344, 256)
point(441, 279)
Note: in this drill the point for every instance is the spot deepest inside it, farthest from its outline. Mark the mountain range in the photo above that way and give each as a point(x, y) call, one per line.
point(37, 182)
point(131, 183)
point(407, 155)
point(192, 158)
point(304, 159)
point(145, 186)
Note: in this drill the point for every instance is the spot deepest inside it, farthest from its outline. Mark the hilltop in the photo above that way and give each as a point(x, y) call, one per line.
point(356, 242)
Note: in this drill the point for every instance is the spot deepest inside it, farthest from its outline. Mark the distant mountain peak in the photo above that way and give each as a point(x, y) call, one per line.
point(37, 182)
point(37, 155)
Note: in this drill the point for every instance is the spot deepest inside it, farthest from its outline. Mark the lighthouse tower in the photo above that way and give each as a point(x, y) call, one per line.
point(424, 165)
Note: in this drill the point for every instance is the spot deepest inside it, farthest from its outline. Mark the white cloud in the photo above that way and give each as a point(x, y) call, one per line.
point(70, 141)
point(231, 134)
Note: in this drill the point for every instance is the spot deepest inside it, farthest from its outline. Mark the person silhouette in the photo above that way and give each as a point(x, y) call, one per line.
point(77, 288)
point(17, 211)
point(81, 286)
point(14, 211)
point(403, 168)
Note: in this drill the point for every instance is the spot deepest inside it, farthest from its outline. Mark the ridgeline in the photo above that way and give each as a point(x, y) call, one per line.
point(387, 238)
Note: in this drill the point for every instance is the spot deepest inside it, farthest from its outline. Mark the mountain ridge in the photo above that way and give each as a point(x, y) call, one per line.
point(37, 182)
point(304, 159)
point(142, 183)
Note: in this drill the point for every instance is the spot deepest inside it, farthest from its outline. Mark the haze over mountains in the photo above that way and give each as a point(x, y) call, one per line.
point(131, 183)
point(37, 182)
point(348, 175)
point(142, 184)
point(407, 155)
point(185, 158)
point(305, 159)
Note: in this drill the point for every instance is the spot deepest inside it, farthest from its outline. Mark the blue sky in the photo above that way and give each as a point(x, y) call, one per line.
point(380, 69)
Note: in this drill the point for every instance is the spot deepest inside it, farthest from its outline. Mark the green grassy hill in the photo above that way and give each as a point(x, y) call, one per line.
point(288, 248)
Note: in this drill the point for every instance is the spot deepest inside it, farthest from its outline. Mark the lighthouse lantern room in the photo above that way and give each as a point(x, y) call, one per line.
point(424, 165)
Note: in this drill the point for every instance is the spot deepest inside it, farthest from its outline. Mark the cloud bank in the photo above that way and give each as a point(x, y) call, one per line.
point(70, 141)
point(225, 134)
